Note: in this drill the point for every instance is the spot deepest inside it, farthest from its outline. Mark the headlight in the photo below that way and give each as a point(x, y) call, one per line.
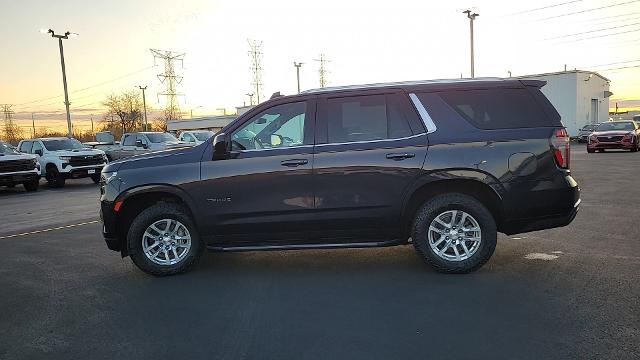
point(593, 138)
point(64, 158)
point(109, 176)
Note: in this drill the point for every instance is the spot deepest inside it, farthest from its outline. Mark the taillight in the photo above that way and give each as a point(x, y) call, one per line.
point(560, 144)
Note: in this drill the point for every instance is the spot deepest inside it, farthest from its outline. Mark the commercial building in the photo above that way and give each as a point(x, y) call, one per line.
point(581, 97)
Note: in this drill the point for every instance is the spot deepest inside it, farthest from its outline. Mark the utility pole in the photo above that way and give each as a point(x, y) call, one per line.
point(255, 57)
point(322, 71)
point(509, 71)
point(472, 17)
point(298, 65)
point(64, 74)
point(171, 79)
point(144, 103)
point(33, 126)
point(92, 125)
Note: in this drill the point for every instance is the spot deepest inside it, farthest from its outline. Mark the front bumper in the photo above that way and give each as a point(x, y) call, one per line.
point(18, 178)
point(625, 145)
point(81, 172)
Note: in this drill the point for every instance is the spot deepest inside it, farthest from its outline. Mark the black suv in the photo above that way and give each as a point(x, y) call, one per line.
point(444, 165)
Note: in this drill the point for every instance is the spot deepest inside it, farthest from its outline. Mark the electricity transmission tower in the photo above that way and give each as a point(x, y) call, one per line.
point(11, 131)
point(322, 70)
point(255, 56)
point(171, 80)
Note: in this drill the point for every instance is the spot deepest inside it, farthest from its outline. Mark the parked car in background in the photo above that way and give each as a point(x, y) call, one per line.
point(615, 135)
point(196, 137)
point(348, 167)
point(63, 158)
point(17, 168)
point(136, 143)
point(583, 134)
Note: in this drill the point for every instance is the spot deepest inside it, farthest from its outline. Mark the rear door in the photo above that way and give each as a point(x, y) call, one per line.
point(369, 149)
point(128, 146)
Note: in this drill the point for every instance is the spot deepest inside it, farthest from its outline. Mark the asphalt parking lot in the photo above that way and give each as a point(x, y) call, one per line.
point(564, 293)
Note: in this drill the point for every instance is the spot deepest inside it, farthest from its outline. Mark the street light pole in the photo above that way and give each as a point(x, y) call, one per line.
point(144, 103)
point(472, 17)
point(298, 65)
point(64, 75)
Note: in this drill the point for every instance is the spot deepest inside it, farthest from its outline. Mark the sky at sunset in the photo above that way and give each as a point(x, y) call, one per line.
point(365, 41)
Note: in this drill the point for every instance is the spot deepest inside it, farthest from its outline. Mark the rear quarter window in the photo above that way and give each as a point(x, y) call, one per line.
point(498, 108)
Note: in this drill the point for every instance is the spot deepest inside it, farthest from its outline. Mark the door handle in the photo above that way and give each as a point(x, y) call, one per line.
point(400, 156)
point(294, 162)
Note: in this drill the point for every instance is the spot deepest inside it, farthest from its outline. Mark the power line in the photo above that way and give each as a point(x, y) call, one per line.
point(545, 7)
point(614, 63)
point(592, 31)
point(588, 10)
point(620, 68)
point(88, 87)
point(601, 36)
point(610, 17)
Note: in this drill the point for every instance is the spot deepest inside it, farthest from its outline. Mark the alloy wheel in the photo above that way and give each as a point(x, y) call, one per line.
point(166, 242)
point(454, 235)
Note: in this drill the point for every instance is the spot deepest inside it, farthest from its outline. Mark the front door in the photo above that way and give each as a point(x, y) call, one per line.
point(263, 191)
point(369, 150)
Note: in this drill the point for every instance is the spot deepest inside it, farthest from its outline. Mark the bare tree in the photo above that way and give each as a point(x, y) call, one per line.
point(124, 111)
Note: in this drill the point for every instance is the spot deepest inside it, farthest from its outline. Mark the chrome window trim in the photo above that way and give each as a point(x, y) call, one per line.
point(372, 141)
point(424, 115)
point(279, 148)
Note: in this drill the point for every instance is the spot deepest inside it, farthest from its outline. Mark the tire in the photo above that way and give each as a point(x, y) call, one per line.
point(54, 178)
point(454, 203)
point(635, 148)
point(32, 185)
point(590, 151)
point(601, 150)
point(96, 178)
point(137, 235)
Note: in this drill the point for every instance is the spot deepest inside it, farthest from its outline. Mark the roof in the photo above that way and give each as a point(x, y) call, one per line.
point(403, 84)
point(52, 138)
point(575, 71)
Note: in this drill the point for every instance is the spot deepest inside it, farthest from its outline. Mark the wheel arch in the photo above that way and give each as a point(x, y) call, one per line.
point(477, 186)
point(137, 199)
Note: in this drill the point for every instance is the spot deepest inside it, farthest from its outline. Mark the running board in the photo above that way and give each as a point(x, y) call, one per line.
point(371, 244)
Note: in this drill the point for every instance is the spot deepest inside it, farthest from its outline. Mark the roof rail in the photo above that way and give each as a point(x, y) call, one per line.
point(400, 83)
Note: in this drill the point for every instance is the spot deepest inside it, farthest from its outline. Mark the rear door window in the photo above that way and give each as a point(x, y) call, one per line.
point(497, 108)
point(364, 118)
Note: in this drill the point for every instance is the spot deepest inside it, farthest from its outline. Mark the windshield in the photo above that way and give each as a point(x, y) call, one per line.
point(589, 127)
point(62, 144)
point(203, 136)
point(627, 125)
point(161, 137)
point(6, 149)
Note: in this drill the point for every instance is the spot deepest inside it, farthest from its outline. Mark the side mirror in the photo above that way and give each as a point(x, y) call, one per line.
point(221, 146)
point(139, 143)
point(38, 152)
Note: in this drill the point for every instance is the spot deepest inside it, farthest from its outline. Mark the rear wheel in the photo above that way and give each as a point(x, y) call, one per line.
point(454, 233)
point(32, 185)
point(54, 178)
point(163, 240)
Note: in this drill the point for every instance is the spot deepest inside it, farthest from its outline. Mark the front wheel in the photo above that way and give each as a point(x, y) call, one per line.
point(163, 240)
point(32, 185)
point(454, 233)
point(590, 151)
point(95, 178)
point(54, 178)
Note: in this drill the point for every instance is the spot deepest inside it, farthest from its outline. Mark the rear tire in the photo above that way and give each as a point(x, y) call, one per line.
point(32, 185)
point(428, 238)
point(140, 238)
point(54, 178)
point(590, 151)
point(601, 150)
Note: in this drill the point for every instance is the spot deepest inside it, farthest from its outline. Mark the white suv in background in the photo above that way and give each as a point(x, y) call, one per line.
point(196, 137)
point(64, 158)
point(17, 168)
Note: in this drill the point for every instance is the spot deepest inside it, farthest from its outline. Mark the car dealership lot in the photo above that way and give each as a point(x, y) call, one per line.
point(563, 293)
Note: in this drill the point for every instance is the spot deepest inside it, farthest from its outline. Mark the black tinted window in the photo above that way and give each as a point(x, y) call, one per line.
point(497, 108)
point(25, 147)
point(362, 118)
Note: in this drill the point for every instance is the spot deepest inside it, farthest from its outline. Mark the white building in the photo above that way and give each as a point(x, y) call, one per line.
point(581, 97)
point(213, 123)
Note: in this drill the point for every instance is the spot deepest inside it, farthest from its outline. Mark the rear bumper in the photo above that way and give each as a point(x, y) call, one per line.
point(541, 223)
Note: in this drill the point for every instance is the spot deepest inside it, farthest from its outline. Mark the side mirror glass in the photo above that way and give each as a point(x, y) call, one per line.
point(221, 144)
point(139, 143)
point(38, 152)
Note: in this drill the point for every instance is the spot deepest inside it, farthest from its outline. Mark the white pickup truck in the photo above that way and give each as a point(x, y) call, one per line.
point(64, 158)
point(136, 143)
point(17, 168)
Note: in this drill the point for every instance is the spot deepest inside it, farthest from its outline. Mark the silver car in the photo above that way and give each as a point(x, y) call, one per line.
point(583, 134)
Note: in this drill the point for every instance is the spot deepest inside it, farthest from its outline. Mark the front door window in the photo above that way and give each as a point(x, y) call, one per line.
point(278, 127)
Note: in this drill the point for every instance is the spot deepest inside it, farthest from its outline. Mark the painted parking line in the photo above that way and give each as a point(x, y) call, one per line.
point(47, 230)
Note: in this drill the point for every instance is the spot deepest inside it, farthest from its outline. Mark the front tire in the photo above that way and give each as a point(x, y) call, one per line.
point(454, 233)
point(54, 178)
point(32, 185)
point(95, 178)
point(590, 151)
point(163, 240)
